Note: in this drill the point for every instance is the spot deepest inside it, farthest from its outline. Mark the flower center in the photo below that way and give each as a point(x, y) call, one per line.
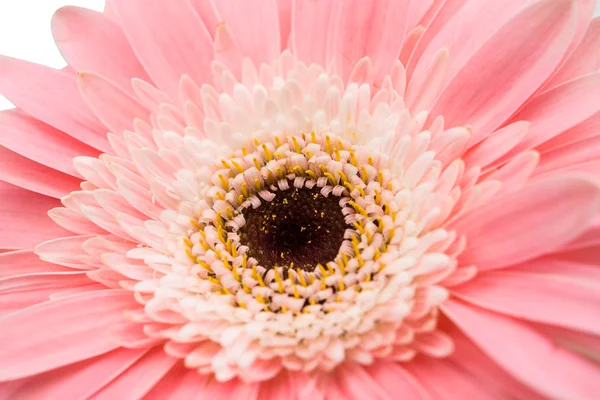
point(299, 228)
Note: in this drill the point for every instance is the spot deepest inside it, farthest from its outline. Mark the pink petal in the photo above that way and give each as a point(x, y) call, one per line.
point(179, 383)
point(438, 22)
point(525, 354)
point(313, 24)
point(285, 21)
point(41, 143)
point(207, 14)
point(25, 262)
point(115, 108)
point(465, 33)
point(445, 381)
point(78, 380)
point(570, 157)
point(74, 326)
point(528, 223)
point(394, 379)
point(554, 267)
point(472, 360)
point(372, 29)
point(516, 173)
point(140, 378)
point(254, 25)
point(416, 12)
point(233, 389)
point(21, 291)
point(554, 111)
point(52, 97)
point(587, 129)
point(23, 172)
point(496, 145)
point(226, 50)
point(537, 298)
point(536, 38)
point(585, 59)
point(352, 382)
point(24, 219)
point(169, 39)
point(90, 41)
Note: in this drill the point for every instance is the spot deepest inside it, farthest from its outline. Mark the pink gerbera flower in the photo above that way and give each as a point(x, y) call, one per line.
point(299, 199)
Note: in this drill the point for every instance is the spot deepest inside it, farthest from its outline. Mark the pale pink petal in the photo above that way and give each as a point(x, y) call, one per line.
point(558, 110)
point(393, 379)
point(79, 333)
point(90, 41)
point(139, 378)
point(169, 39)
point(417, 10)
point(446, 381)
point(585, 59)
point(261, 45)
point(23, 172)
point(536, 38)
point(179, 383)
point(352, 382)
point(516, 173)
point(278, 388)
point(554, 267)
point(21, 291)
point(79, 380)
point(207, 14)
point(587, 129)
point(24, 219)
point(110, 10)
point(372, 29)
point(476, 363)
point(437, 23)
point(530, 222)
point(226, 50)
point(53, 97)
point(232, 389)
point(313, 25)
point(465, 33)
point(41, 143)
point(525, 354)
point(537, 298)
point(496, 145)
point(115, 108)
point(285, 21)
point(25, 262)
point(581, 343)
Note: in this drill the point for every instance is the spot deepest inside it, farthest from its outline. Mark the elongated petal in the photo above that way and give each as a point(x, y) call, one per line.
point(23, 262)
point(111, 104)
point(90, 41)
point(558, 110)
point(24, 219)
point(79, 380)
point(537, 298)
point(23, 172)
point(530, 222)
point(260, 45)
point(313, 25)
point(445, 381)
point(394, 379)
point(542, 365)
point(372, 29)
point(40, 142)
point(536, 39)
point(79, 333)
point(462, 35)
point(52, 97)
point(179, 383)
point(170, 40)
point(585, 59)
point(139, 378)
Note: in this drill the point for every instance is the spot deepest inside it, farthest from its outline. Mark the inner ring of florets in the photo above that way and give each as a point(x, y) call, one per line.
point(232, 244)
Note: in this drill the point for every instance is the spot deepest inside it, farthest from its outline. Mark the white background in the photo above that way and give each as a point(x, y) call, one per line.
point(25, 30)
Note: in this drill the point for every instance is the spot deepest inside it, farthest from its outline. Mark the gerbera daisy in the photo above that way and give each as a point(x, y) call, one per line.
point(301, 199)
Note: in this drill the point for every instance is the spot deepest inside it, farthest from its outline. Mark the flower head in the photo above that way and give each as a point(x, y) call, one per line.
point(300, 199)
